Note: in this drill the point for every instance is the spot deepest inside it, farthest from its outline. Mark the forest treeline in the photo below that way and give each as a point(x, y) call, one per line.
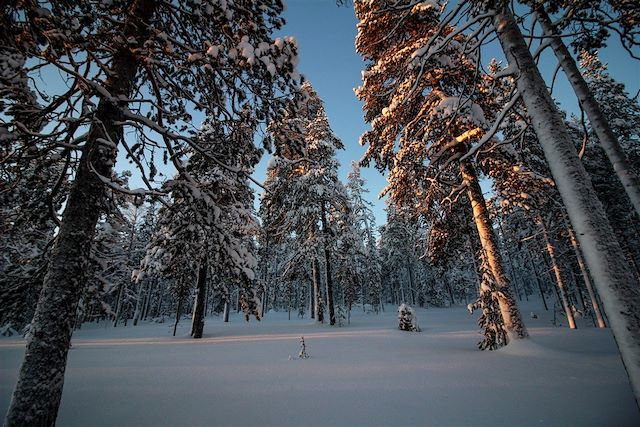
point(203, 89)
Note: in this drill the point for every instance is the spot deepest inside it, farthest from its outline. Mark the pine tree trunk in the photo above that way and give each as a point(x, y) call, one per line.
point(614, 282)
point(535, 275)
point(116, 317)
point(150, 293)
point(319, 312)
point(139, 303)
point(580, 298)
point(312, 293)
point(178, 314)
point(509, 266)
point(37, 395)
point(508, 306)
point(452, 300)
point(515, 281)
point(472, 252)
point(587, 279)
point(225, 311)
point(599, 123)
point(265, 290)
point(559, 279)
point(327, 258)
point(629, 253)
point(197, 321)
point(411, 282)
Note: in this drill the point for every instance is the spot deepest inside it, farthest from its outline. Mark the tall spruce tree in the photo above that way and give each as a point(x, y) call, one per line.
point(303, 190)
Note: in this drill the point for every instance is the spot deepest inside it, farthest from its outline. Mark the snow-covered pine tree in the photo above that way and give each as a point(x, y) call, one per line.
point(614, 281)
point(206, 229)
point(426, 106)
point(367, 257)
point(27, 224)
point(399, 251)
point(303, 190)
point(293, 236)
point(490, 321)
point(451, 248)
point(523, 186)
point(351, 261)
point(138, 67)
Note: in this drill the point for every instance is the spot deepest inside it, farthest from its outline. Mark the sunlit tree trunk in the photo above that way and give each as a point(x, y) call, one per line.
point(508, 306)
point(562, 287)
point(613, 279)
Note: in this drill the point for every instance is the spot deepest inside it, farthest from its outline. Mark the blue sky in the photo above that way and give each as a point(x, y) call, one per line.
point(326, 35)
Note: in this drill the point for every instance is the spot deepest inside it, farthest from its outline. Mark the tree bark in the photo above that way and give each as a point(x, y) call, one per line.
point(327, 259)
point(509, 266)
point(587, 280)
point(225, 311)
point(559, 280)
point(178, 314)
point(197, 321)
point(150, 293)
point(317, 291)
point(613, 280)
point(139, 303)
point(535, 275)
point(508, 306)
point(121, 290)
point(312, 293)
point(452, 300)
point(411, 282)
point(37, 395)
point(599, 123)
point(123, 287)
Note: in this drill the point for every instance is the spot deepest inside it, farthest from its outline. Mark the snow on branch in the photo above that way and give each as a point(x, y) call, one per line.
point(496, 125)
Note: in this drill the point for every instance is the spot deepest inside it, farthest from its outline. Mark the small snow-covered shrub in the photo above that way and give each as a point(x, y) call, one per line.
point(408, 321)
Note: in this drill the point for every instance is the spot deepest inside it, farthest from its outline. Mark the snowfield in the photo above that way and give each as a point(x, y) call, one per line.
point(366, 374)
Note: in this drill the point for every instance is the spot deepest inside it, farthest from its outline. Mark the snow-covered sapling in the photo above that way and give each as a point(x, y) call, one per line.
point(303, 350)
point(408, 321)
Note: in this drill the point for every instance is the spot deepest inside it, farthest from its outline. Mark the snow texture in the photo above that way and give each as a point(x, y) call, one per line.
point(240, 374)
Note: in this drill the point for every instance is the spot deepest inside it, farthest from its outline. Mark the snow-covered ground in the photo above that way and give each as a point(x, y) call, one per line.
point(365, 374)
